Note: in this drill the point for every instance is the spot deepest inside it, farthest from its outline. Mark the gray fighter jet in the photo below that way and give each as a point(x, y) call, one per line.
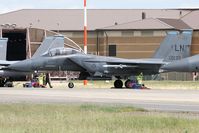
point(7, 74)
point(189, 64)
point(175, 46)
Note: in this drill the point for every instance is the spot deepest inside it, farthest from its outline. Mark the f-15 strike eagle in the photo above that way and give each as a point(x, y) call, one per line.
point(175, 46)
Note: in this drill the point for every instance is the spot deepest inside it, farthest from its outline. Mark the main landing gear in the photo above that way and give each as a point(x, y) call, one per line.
point(119, 84)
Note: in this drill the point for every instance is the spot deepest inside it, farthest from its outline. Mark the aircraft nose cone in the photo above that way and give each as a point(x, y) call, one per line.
point(20, 66)
point(177, 66)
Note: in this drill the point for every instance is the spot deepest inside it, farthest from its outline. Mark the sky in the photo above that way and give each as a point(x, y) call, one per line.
point(11, 5)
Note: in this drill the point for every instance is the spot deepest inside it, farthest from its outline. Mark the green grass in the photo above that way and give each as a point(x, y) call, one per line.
point(24, 118)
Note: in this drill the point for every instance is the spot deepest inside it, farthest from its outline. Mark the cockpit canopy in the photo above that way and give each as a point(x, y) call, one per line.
point(61, 51)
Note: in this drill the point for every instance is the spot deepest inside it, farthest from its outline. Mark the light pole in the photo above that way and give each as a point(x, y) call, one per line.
point(85, 27)
point(85, 33)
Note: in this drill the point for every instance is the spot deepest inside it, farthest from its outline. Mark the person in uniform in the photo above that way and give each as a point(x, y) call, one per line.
point(48, 80)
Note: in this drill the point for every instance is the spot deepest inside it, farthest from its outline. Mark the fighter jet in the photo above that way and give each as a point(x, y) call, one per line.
point(189, 64)
point(7, 74)
point(175, 46)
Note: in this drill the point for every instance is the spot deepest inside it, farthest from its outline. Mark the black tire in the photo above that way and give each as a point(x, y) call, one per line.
point(71, 85)
point(127, 83)
point(2, 83)
point(118, 84)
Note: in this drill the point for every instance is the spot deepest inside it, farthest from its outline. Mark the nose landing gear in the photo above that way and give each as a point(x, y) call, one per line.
point(71, 85)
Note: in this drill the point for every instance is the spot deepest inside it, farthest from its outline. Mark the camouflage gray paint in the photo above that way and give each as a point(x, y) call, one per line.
point(190, 64)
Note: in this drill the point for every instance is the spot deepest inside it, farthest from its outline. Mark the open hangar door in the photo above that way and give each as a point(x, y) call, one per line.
point(16, 47)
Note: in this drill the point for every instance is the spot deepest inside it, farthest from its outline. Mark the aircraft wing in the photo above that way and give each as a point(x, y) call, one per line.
point(114, 62)
point(134, 63)
point(119, 66)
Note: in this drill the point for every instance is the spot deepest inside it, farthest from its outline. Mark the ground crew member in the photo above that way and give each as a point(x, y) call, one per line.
point(41, 79)
point(195, 76)
point(48, 80)
point(140, 78)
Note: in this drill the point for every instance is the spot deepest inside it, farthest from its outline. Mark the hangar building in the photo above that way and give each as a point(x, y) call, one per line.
point(126, 33)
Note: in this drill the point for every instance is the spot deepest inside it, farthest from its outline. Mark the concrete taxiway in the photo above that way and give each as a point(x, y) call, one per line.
point(160, 100)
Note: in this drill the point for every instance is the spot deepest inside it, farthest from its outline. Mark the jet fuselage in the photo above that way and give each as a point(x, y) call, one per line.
point(94, 65)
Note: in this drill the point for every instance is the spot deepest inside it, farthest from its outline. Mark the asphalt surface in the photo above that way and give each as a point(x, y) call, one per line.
point(159, 100)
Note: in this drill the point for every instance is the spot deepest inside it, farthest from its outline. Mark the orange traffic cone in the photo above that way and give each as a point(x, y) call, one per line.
point(85, 82)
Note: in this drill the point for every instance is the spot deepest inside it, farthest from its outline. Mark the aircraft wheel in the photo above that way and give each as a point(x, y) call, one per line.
point(127, 83)
point(2, 83)
point(118, 84)
point(71, 85)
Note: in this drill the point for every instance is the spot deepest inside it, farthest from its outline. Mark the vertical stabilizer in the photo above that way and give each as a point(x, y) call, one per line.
point(3, 48)
point(49, 43)
point(175, 46)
